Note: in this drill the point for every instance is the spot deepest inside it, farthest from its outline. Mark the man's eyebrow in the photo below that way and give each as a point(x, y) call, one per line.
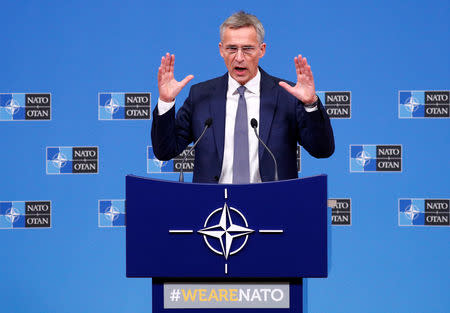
point(244, 46)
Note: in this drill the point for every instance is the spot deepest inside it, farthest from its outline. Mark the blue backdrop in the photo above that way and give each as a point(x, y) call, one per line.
point(76, 49)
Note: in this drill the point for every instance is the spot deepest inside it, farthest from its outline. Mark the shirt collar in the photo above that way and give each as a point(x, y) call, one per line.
point(253, 85)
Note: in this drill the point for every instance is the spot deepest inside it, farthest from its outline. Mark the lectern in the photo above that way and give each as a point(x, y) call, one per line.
point(237, 248)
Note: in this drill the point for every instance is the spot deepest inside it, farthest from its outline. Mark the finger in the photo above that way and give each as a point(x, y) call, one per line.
point(299, 59)
point(163, 65)
point(167, 62)
point(297, 68)
point(307, 78)
point(159, 73)
point(305, 63)
point(186, 80)
point(172, 63)
point(301, 63)
point(286, 86)
point(310, 76)
point(307, 66)
point(308, 71)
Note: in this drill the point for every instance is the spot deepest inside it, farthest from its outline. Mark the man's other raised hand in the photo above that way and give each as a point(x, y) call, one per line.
point(168, 87)
point(304, 90)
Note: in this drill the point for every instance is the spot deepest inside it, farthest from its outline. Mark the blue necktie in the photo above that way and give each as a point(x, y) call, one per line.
point(241, 163)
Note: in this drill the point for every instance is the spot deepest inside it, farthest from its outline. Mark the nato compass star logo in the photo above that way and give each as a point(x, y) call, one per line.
point(112, 213)
point(12, 106)
point(363, 158)
point(12, 215)
point(412, 212)
point(59, 160)
point(112, 106)
point(411, 104)
point(226, 231)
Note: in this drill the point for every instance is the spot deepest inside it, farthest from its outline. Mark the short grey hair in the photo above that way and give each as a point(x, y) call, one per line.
point(242, 19)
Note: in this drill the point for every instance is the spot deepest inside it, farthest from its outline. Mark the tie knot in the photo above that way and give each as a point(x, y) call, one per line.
point(241, 90)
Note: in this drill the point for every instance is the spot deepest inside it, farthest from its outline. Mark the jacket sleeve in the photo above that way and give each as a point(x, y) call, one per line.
point(172, 134)
point(314, 131)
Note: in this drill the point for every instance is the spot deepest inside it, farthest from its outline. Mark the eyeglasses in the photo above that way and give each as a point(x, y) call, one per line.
point(247, 50)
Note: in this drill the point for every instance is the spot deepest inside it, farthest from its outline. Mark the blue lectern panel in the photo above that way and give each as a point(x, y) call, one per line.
point(276, 229)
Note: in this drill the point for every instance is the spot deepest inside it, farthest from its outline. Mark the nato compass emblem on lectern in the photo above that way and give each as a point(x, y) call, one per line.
point(226, 231)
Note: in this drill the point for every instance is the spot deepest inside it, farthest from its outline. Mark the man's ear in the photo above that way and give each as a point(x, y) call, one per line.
point(221, 49)
point(263, 49)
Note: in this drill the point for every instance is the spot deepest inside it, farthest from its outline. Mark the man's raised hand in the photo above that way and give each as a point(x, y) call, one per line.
point(168, 87)
point(304, 90)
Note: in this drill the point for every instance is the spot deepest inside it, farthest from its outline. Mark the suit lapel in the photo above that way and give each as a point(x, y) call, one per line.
point(217, 109)
point(267, 108)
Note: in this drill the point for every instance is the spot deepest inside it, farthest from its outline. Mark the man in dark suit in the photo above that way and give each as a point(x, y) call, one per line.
point(230, 152)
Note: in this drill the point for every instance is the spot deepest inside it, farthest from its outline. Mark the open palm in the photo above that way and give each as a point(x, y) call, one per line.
point(168, 87)
point(304, 90)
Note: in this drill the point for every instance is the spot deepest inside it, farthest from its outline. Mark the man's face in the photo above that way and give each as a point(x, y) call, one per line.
point(241, 52)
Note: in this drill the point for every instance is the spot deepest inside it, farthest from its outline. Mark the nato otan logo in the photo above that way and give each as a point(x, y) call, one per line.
point(25, 107)
point(337, 103)
point(72, 160)
point(376, 158)
point(341, 211)
point(25, 214)
point(111, 213)
point(172, 166)
point(124, 106)
point(423, 212)
point(423, 104)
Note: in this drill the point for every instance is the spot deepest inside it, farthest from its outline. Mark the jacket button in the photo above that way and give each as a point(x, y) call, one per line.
point(216, 178)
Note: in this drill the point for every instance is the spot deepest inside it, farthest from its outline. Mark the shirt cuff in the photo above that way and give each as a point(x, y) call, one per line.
point(311, 109)
point(164, 107)
point(312, 106)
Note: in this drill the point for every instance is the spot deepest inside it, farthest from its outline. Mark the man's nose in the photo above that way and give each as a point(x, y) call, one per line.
point(239, 55)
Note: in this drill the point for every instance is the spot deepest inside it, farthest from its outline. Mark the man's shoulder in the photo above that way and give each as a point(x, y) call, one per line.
point(274, 79)
point(211, 83)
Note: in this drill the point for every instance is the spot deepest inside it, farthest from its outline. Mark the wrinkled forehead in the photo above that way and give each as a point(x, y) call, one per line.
point(240, 36)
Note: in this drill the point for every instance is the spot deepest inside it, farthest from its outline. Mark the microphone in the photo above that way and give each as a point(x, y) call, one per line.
point(208, 123)
point(254, 125)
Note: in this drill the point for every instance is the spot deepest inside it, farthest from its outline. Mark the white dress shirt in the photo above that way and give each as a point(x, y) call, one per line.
point(252, 97)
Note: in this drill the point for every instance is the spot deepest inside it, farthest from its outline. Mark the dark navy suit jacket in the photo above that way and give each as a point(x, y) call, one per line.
point(283, 122)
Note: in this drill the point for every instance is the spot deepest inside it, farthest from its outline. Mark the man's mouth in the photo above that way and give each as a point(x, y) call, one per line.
point(240, 70)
